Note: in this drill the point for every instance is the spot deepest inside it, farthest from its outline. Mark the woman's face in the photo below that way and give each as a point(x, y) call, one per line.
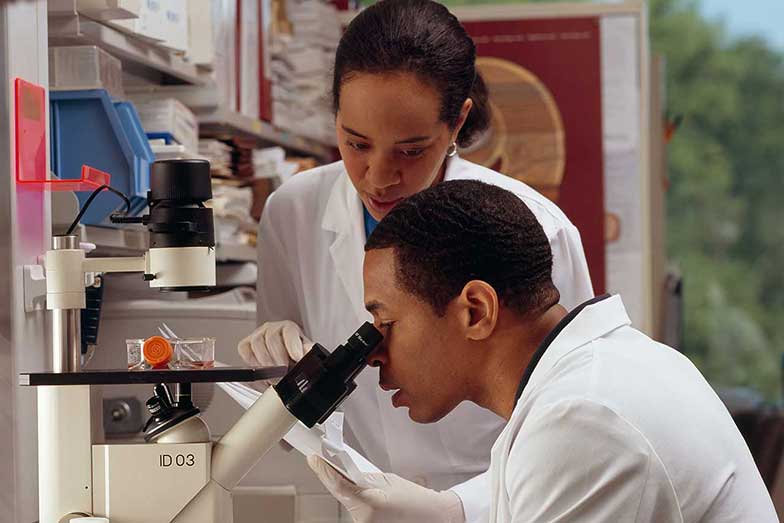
point(391, 138)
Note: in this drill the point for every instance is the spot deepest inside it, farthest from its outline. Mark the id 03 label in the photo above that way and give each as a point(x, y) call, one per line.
point(176, 460)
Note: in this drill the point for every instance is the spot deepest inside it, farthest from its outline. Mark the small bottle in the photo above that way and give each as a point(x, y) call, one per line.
point(157, 352)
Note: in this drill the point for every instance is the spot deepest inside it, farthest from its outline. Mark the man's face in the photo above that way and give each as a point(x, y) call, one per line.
point(422, 355)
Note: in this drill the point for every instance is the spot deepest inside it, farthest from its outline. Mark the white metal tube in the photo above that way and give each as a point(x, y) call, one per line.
point(66, 341)
point(261, 427)
point(64, 297)
point(114, 264)
point(64, 452)
point(64, 278)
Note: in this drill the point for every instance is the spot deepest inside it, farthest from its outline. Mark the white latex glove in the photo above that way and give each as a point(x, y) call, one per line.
point(276, 343)
point(389, 499)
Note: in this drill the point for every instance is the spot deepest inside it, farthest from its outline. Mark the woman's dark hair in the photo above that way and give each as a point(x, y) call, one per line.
point(463, 230)
point(420, 37)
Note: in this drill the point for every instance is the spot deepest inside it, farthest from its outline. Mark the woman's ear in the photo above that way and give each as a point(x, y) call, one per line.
point(467, 105)
point(479, 309)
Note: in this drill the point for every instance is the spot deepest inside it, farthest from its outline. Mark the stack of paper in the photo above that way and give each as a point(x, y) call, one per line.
point(168, 116)
point(271, 163)
point(301, 68)
point(219, 156)
point(231, 212)
point(324, 440)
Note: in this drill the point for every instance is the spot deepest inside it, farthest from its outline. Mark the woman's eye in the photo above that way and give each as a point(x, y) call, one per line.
point(358, 146)
point(412, 153)
point(386, 324)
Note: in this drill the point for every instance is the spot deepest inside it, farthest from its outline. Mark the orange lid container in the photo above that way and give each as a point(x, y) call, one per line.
point(157, 351)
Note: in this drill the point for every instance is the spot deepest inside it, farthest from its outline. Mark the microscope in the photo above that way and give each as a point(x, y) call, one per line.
point(178, 474)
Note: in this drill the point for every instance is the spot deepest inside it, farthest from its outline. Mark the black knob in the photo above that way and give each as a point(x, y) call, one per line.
point(154, 405)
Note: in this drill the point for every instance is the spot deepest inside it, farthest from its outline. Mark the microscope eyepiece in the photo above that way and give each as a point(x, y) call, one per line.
point(320, 381)
point(365, 339)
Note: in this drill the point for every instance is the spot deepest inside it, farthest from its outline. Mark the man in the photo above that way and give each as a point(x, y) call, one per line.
point(604, 424)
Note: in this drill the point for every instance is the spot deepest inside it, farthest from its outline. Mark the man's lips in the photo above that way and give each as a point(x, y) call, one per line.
point(398, 398)
point(387, 386)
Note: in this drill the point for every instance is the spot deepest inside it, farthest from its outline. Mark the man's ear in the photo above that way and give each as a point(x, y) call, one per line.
point(478, 304)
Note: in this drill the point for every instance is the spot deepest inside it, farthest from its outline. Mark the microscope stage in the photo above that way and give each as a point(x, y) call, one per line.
point(125, 377)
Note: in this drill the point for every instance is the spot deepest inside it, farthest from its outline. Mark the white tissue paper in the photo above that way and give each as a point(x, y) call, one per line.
point(325, 440)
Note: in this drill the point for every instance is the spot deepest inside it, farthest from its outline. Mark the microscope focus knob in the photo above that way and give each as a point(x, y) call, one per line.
point(154, 405)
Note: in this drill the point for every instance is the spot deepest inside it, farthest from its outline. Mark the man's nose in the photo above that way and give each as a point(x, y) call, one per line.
point(378, 357)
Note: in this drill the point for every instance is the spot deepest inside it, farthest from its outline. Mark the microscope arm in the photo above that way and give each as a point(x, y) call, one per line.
point(235, 454)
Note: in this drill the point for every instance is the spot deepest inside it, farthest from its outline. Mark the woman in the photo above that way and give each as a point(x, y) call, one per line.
point(406, 95)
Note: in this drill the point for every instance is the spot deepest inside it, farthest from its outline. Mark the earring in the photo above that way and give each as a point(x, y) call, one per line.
point(452, 150)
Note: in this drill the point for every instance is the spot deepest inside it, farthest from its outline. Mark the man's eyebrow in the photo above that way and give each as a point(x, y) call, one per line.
point(373, 306)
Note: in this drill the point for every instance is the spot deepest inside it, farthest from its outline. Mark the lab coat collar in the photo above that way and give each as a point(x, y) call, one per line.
point(548, 340)
point(454, 166)
point(343, 216)
point(343, 206)
point(593, 322)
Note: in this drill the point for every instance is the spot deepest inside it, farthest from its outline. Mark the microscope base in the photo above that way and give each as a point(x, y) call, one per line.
point(148, 483)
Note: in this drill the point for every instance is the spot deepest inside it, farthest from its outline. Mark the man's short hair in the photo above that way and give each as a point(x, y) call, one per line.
point(464, 230)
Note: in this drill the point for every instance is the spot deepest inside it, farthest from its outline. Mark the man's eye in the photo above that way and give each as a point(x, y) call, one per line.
point(386, 324)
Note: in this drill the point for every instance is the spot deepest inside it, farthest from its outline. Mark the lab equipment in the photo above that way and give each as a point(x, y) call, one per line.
point(310, 392)
point(186, 477)
point(183, 353)
point(181, 256)
point(325, 440)
point(157, 352)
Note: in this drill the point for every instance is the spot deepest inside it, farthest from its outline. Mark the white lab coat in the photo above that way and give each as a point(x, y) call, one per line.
point(311, 250)
point(613, 426)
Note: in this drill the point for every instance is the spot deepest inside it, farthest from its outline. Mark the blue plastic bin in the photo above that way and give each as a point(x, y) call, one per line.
point(87, 127)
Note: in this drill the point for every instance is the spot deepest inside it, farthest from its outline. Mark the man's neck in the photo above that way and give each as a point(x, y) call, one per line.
point(508, 355)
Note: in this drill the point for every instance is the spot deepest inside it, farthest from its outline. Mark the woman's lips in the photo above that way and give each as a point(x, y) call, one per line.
point(382, 206)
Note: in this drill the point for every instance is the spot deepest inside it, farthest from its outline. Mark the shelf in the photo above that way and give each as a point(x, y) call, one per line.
point(135, 53)
point(224, 123)
point(134, 241)
point(126, 377)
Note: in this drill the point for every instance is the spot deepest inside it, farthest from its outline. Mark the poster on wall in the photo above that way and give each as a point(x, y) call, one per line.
point(545, 85)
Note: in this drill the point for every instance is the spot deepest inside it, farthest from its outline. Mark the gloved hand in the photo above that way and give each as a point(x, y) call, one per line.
point(390, 499)
point(276, 343)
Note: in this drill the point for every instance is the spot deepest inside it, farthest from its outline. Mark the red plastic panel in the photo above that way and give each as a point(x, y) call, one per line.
point(30, 114)
point(31, 151)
